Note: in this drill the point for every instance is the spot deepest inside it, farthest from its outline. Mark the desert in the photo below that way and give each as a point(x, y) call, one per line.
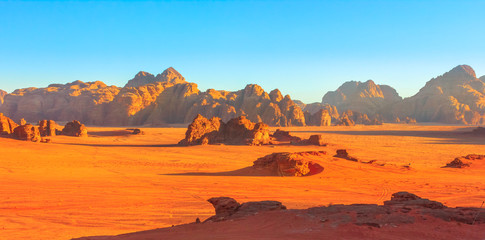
point(114, 182)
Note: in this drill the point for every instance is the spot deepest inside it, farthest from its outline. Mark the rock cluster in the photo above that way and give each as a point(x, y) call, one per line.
point(342, 153)
point(464, 161)
point(284, 136)
point(289, 164)
point(227, 208)
point(75, 129)
point(237, 131)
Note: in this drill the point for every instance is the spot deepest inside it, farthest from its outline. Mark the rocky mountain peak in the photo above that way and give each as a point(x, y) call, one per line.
point(170, 75)
point(276, 95)
point(462, 70)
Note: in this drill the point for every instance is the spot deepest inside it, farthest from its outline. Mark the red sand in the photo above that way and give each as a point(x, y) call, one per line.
point(109, 183)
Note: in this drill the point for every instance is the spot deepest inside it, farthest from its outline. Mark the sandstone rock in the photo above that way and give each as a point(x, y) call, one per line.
point(344, 120)
point(320, 118)
point(228, 208)
point(22, 121)
point(7, 125)
point(342, 153)
point(364, 97)
point(47, 128)
point(237, 131)
point(464, 161)
point(288, 164)
point(406, 199)
point(280, 135)
point(75, 129)
point(27, 132)
point(457, 96)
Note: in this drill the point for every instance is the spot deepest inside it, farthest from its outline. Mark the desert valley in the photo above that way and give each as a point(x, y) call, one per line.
point(159, 159)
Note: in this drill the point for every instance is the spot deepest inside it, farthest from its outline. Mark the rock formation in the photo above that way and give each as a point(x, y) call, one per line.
point(227, 208)
point(457, 96)
point(465, 161)
point(364, 97)
point(47, 128)
point(342, 153)
point(288, 164)
point(320, 118)
point(27, 132)
point(7, 125)
point(146, 99)
point(236, 131)
point(316, 140)
point(75, 129)
point(284, 136)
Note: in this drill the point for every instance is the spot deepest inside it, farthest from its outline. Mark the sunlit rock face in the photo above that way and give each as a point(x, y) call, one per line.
point(2, 95)
point(457, 96)
point(149, 100)
point(364, 97)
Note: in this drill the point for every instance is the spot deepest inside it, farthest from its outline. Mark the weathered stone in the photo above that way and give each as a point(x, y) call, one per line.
point(289, 164)
point(27, 132)
point(47, 128)
point(75, 129)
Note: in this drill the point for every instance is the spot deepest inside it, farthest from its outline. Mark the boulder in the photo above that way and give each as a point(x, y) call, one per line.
point(342, 153)
point(406, 199)
point(202, 131)
point(464, 161)
point(27, 132)
point(227, 208)
point(280, 135)
point(288, 164)
point(7, 125)
point(47, 128)
point(22, 121)
point(75, 129)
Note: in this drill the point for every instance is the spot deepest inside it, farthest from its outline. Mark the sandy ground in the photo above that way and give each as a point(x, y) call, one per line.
point(112, 182)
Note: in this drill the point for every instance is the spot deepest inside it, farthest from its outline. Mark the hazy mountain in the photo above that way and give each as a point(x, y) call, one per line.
point(457, 96)
point(364, 97)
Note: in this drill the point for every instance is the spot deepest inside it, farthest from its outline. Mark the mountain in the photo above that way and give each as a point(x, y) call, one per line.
point(364, 97)
point(164, 99)
point(457, 96)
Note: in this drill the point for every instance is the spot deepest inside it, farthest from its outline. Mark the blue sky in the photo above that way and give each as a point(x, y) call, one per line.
point(304, 48)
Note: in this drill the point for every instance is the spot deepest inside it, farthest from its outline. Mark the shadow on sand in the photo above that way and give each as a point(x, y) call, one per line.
point(459, 136)
point(243, 172)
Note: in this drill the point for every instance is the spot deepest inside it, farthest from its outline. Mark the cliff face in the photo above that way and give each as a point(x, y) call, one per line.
point(77, 100)
point(457, 96)
point(147, 99)
point(364, 97)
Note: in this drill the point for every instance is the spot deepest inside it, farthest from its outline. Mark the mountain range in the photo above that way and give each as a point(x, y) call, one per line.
point(457, 96)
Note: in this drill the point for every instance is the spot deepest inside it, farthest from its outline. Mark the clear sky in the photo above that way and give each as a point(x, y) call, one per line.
point(304, 48)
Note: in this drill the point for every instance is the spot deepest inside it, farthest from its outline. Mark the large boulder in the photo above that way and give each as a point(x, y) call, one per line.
point(75, 129)
point(288, 164)
point(236, 131)
point(283, 136)
point(27, 132)
point(227, 208)
point(407, 199)
point(47, 128)
point(7, 125)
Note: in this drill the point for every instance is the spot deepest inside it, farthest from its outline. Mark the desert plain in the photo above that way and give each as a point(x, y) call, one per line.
point(113, 182)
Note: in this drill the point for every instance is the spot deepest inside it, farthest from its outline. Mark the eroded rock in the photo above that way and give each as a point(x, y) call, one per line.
point(75, 129)
point(47, 128)
point(27, 132)
point(7, 125)
point(289, 164)
point(228, 208)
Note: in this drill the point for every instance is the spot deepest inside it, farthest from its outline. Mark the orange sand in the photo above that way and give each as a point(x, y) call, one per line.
point(112, 182)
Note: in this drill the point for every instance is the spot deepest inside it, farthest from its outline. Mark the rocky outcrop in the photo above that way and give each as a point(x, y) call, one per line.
point(288, 164)
point(284, 136)
point(75, 129)
point(464, 161)
point(320, 118)
point(47, 128)
point(457, 96)
point(364, 97)
point(227, 208)
point(342, 153)
point(351, 118)
point(27, 132)
point(316, 140)
point(7, 125)
point(236, 131)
